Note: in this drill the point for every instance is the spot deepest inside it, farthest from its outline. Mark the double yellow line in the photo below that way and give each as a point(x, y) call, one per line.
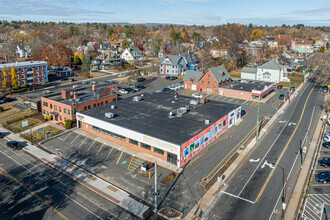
point(285, 148)
point(222, 161)
point(5, 173)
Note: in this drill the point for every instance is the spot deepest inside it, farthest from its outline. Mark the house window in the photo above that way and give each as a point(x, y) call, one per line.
point(208, 76)
point(146, 146)
point(106, 102)
point(215, 84)
point(60, 108)
point(23, 76)
point(55, 107)
point(133, 142)
point(85, 107)
point(23, 82)
point(224, 123)
point(37, 68)
point(67, 111)
point(167, 71)
point(18, 83)
point(208, 82)
point(51, 106)
point(94, 105)
point(158, 151)
point(101, 103)
point(37, 74)
point(45, 104)
point(89, 107)
point(37, 80)
point(203, 82)
point(17, 76)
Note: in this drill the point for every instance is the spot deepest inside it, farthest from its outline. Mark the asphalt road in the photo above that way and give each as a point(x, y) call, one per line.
point(257, 190)
point(30, 189)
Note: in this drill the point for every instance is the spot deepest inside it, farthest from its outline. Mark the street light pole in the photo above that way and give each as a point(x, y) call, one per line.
point(155, 187)
point(257, 132)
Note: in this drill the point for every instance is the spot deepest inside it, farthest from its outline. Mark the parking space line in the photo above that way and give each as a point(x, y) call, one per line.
point(100, 149)
point(245, 101)
point(225, 98)
point(82, 142)
point(120, 157)
point(321, 185)
point(65, 137)
point(75, 139)
point(328, 199)
point(90, 146)
point(311, 216)
point(218, 97)
point(238, 100)
point(109, 154)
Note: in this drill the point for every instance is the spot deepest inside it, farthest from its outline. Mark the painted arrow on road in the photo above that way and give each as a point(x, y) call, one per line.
point(267, 164)
point(291, 123)
point(282, 122)
point(254, 161)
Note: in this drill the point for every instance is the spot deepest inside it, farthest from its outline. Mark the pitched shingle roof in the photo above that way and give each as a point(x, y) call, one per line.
point(220, 73)
point(249, 70)
point(174, 59)
point(272, 65)
point(195, 75)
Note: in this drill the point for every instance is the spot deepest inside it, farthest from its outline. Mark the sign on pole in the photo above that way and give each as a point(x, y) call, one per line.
point(143, 167)
point(24, 123)
point(47, 132)
point(39, 130)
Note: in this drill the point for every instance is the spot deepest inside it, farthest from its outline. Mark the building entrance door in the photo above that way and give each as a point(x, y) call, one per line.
point(79, 124)
point(193, 87)
point(172, 158)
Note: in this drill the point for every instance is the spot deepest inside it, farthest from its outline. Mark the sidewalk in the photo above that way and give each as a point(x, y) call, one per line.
point(135, 153)
point(88, 180)
point(298, 190)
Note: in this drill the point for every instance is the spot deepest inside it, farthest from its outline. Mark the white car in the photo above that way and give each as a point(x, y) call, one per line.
point(197, 96)
point(122, 75)
point(123, 91)
point(326, 138)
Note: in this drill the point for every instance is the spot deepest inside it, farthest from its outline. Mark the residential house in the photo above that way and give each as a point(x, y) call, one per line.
point(29, 72)
point(64, 105)
point(219, 53)
point(269, 72)
point(208, 82)
point(320, 43)
point(22, 51)
point(192, 60)
point(107, 59)
point(173, 65)
point(255, 50)
point(61, 73)
point(132, 54)
point(302, 46)
point(280, 42)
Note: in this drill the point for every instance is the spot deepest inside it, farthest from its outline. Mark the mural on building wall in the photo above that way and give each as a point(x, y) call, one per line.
point(197, 143)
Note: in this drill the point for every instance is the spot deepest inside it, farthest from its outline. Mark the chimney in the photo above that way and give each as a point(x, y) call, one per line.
point(94, 87)
point(64, 94)
point(75, 95)
point(203, 72)
point(6, 59)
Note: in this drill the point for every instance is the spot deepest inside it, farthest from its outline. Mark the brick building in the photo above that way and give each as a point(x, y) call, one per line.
point(64, 105)
point(208, 81)
point(29, 72)
point(168, 127)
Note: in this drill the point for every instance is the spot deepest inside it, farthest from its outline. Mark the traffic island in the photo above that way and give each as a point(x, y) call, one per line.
point(170, 213)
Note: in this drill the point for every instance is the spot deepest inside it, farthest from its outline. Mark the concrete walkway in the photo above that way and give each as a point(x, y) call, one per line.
point(88, 180)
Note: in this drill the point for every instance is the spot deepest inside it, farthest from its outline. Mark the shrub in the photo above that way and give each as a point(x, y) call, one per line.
point(45, 118)
point(67, 124)
point(49, 117)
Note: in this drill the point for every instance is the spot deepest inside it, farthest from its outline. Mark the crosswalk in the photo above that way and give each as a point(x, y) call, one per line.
point(134, 163)
point(314, 206)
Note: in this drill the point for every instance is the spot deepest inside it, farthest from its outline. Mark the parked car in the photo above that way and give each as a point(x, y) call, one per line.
point(166, 90)
point(15, 145)
point(136, 89)
point(141, 79)
point(325, 89)
point(326, 144)
point(64, 78)
point(72, 79)
point(121, 75)
point(171, 77)
point(134, 80)
point(292, 88)
point(123, 91)
point(140, 86)
point(2, 135)
point(159, 91)
point(243, 112)
point(323, 177)
point(279, 86)
point(197, 96)
point(327, 133)
point(172, 87)
point(130, 90)
point(326, 138)
point(281, 97)
point(325, 162)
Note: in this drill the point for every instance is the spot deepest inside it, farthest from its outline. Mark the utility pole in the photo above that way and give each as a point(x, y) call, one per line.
point(257, 132)
point(155, 187)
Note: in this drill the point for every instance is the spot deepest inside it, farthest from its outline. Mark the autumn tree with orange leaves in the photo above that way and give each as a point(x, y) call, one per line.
point(57, 54)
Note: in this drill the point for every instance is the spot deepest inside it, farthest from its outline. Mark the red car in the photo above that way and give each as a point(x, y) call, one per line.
point(279, 86)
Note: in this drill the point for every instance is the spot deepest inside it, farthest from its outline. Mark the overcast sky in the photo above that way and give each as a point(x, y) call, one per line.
point(188, 12)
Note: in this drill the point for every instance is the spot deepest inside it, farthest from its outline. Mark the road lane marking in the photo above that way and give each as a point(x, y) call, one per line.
point(246, 200)
point(120, 157)
point(286, 146)
point(100, 149)
point(5, 173)
point(82, 142)
point(90, 146)
point(75, 139)
point(109, 154)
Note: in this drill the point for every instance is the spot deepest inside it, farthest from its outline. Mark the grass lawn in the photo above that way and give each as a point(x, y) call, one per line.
point(12, 117)
point(8, 109)
point(235, 73)
point(293, 82)
point(16, 126)
point(41, 136)
point(98, 74)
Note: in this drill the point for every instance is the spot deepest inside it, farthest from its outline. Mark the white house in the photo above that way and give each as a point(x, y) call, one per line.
point(22, 51)
point(132, 54)
point(270, 72)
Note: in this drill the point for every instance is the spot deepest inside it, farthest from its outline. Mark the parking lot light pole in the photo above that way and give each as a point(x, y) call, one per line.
point(257, 132)
point(155, 187)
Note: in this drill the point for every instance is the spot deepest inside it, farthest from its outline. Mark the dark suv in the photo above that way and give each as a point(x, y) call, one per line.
point(325, 162)
point(171, 77)
point(15, 145)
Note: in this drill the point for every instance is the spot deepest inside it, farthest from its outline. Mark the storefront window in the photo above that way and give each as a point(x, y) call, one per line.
point(158, 151)
point(133, 142)
point(146, 146)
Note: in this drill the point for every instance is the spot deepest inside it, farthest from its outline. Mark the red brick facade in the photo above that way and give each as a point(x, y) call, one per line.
point(88, 128)
point(208, 84)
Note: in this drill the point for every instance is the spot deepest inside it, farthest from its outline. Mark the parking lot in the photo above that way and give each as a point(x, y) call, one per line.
point(318, 201)
point(111, 163)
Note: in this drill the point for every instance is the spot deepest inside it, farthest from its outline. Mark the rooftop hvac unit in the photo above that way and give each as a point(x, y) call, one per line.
point(141, 95)
point(181, 111)
point(193, 102)
point(171, 115)
point(112, 107)
point(46, 92)
point(207, 122)
point(136, 99)
point(75, 86)
point(109, 115)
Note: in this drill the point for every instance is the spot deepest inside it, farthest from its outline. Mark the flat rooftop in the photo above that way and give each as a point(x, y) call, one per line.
point(37, 94)
point(247, 87)
point(150, 116)
point(22, 64)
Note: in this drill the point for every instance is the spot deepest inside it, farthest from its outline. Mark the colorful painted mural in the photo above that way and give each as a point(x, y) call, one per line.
point(190, 148)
